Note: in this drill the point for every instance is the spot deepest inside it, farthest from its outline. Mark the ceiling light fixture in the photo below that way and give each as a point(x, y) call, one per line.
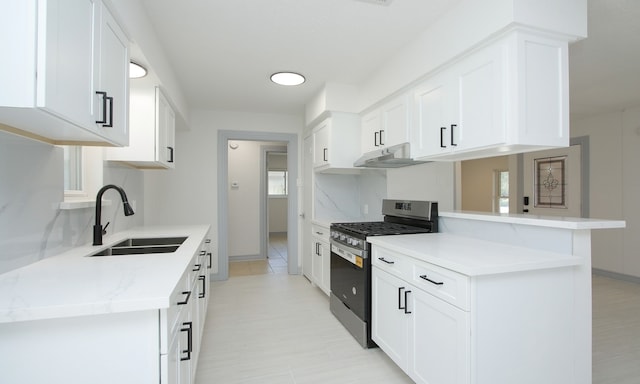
point(287, 78)
point(136, 70)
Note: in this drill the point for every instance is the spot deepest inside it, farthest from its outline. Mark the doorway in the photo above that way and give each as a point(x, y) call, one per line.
point(242, 247)
point(276, 196)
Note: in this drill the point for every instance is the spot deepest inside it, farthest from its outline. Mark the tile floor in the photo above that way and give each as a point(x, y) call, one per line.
point(273, 328)
point(275, 263)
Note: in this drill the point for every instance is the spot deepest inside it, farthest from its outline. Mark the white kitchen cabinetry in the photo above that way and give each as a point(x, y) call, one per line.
point(152, 126)
point(67, 78)
point(443, 326)
point(333, 142)
point(425, 336)
point(386, 125)
point(508, 96)
point(321, 257)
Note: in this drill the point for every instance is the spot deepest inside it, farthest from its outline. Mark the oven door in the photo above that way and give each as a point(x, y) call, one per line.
point(350, 278)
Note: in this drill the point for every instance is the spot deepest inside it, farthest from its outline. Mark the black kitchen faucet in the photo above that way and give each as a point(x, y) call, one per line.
point(98, 231)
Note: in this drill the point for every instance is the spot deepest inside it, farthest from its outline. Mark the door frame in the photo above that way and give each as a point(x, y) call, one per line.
point(223, 194)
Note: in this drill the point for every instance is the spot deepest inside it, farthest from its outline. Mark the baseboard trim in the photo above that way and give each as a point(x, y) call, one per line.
point(616, 275)
point(246, 258)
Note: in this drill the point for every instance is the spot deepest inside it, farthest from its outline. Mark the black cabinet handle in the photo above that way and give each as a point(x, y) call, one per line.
point(324, 154)
point(197, 267)
point(104, 107)
point(381, 131)
point(202, 294)
point(207, 241)
point(189, 330)
point(406, 307)
point(186, 300)
point(170, 155)
point(400, 289)
point(203, 252)
point(375, 138)
point(424, 277)
point(386, 261)
point(110, 124)
point(442, 129)
point(452, 143)
point(210, 260)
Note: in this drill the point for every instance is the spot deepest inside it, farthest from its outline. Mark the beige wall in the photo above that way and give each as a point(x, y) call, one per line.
point(477, 178)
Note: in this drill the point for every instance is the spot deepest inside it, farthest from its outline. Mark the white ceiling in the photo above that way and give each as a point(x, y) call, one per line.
point(223, 52)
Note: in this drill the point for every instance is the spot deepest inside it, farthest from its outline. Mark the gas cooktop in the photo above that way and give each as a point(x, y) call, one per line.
point(379, 228)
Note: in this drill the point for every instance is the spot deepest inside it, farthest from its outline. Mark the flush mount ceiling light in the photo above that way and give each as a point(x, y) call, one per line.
point(287, 78)
point(136, 70)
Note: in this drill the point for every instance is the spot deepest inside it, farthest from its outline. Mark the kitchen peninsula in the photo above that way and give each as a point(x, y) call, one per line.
point(491, 298)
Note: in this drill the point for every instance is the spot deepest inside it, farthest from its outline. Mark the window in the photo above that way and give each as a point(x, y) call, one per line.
point(502, 192)
point(82, 172)
point(72, 168)
point(278, 183)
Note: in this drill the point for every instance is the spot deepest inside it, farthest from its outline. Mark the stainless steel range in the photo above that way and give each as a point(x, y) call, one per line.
point(350, 285)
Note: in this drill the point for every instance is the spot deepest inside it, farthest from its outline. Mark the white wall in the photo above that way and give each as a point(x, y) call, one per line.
point(188, 194)
point(277, 210)
point(244, 199)
point(614, 186)
point(32, 227)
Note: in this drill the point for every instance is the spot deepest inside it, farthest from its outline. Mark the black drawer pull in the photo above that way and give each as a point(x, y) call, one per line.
point(386, 261)
point(196, 267)
point(186, 300)
point(424, 277)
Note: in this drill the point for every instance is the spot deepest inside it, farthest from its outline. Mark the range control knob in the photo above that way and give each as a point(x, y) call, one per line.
point(355, 242)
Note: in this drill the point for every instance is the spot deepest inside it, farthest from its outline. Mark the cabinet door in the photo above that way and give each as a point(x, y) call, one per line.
point(433, 111)
point(479, 115)
point(317, 263)
point(165, 131)
point(66, 46)
point(321, 144)
point(395, 121)
point(370, 135)
point(389, 322)
point(440, 335)
point(113, 78)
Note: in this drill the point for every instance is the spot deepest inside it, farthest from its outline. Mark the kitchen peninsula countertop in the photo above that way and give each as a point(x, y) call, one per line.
point(473, 257)
point(72, 284)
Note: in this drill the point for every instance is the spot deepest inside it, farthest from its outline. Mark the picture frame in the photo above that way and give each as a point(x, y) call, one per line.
point(550, 186)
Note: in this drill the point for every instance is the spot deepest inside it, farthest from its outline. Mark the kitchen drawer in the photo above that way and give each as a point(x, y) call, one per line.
point(320, 231)
point(392, 262)
point(445, 284)
point(181, 296)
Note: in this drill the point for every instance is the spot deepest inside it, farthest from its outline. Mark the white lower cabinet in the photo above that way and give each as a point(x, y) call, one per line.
point(444, 327)
point(426, 337)
point(321, 258)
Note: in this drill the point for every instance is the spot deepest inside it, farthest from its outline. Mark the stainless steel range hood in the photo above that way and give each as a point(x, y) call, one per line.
point(395, 156)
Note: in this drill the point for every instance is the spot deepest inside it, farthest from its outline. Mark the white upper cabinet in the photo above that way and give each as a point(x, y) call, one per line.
point(152, 138)
point(386, 125)
point(66, 79)
point(507, 97)
point(333, 142)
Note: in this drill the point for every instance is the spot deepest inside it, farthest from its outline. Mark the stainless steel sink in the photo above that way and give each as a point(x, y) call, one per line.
point(150, 241)
point(139, 246)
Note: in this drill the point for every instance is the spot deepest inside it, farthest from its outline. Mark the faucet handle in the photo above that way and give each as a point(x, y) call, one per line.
point(104, 229)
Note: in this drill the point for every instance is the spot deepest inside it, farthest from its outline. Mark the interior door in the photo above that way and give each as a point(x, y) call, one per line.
point(552, 182)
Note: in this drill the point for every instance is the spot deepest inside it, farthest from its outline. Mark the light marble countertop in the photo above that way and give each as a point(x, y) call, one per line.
point(72, 284)
point(536, 220)
point(473, 257)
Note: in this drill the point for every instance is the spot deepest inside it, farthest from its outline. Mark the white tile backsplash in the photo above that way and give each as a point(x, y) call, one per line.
point(32, 226)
